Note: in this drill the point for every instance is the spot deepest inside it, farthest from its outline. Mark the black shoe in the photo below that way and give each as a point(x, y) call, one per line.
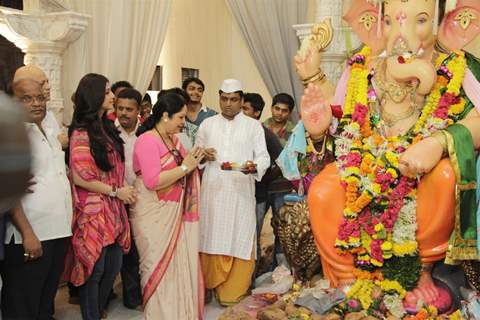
point(132, 307)
point(74, 300)
point(112, 295)
point(208, 295)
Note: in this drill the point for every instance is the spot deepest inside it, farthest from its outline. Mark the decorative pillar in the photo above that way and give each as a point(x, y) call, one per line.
point(43, 34)
point(334, 56)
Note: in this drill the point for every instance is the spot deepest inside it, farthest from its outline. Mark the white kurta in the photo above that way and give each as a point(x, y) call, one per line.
point(227, 202)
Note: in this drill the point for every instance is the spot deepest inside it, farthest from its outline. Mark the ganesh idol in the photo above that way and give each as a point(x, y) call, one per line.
point(400, 195)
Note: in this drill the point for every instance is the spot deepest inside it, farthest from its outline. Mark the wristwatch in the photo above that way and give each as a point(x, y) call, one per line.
point(113, 193)
point(184, 168)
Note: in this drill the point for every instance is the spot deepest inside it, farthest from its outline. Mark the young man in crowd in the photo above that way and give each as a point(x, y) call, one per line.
point(281, 126)
point(197, 112)
point(40, 226)
point(253, 105)
point(280, 123)
point(127, 109)
point(227, 204)
point(116, 88)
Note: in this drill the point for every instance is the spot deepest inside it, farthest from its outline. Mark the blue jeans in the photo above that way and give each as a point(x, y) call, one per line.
point(95, 291)
point(274, 201)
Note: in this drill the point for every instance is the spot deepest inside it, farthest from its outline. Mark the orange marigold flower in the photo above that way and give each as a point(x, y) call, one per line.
point(442, 80)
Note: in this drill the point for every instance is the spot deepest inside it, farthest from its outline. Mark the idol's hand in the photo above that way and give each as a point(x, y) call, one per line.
point(420, 158)
point(308, 65)
point(315, 111)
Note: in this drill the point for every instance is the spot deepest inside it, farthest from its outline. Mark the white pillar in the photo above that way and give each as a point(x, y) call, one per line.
point(43, 36)
point(334, 56)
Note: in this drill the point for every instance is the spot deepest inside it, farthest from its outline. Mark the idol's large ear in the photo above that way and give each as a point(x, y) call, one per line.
point(363, 17)
point(460, 26)
point(474, 47)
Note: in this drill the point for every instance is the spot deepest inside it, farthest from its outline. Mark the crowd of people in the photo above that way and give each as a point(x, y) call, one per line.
point(171, 197)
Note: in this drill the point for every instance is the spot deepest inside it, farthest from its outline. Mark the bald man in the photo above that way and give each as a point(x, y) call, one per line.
point(34, 73)
point(40, 227)
point(49, 122)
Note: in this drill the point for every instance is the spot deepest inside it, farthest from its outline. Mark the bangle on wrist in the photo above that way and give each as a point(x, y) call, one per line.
point(441, 139)
point(319, 76)
point(312, 76)
point(184, 168)
point(113, 193)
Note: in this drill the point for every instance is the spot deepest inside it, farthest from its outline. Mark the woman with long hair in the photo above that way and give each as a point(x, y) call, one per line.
point(100, 224)
point(165, 217)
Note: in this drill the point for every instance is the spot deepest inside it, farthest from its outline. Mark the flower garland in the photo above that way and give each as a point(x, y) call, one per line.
point(377, 196)
point(380, 213)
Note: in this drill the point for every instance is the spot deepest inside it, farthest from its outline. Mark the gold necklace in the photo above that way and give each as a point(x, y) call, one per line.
point(395, 91)
point(312, 146)
point(390, 119)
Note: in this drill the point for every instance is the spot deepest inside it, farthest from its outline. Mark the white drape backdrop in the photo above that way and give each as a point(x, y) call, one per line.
point(123, 42)
point(267, 28)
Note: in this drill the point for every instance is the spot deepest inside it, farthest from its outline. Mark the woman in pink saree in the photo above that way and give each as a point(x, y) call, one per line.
point(165, 217)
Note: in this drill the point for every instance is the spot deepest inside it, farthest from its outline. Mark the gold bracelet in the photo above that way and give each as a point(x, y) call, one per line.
point(440, 137)
point(313, 75)
point(319, 76)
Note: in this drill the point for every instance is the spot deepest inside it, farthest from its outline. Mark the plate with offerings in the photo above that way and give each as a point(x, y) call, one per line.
point(248, 166)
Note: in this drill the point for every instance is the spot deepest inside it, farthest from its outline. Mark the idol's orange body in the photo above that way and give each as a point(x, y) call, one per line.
point(435, 218)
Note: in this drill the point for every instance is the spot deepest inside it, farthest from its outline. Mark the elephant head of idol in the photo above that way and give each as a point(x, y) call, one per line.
point(405, 33)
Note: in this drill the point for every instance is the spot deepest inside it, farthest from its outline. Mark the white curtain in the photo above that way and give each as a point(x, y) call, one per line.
point(123, 41)
point(267, 28)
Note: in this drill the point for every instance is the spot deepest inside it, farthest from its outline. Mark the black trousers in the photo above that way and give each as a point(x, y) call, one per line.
point(132, 289)
point(29, 288)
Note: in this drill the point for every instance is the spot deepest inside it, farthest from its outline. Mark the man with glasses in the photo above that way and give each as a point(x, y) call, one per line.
point(40, 225)
point(49, 122)
point(227, 204)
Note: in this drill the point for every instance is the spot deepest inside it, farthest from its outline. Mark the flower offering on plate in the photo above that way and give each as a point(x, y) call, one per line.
point(248, 166)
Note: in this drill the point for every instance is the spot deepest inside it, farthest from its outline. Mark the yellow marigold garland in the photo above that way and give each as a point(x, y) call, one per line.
point(359, 141)
point(357, 199)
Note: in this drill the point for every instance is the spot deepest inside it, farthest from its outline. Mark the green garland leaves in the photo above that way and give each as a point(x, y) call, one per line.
point(406, 270)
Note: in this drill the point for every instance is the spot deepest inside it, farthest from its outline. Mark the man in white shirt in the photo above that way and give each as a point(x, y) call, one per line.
point(49, 122)
point(127, 109)
point(37, 235)
point(227, 204)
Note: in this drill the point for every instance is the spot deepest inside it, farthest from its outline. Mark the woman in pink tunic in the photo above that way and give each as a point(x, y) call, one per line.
point(100, 224)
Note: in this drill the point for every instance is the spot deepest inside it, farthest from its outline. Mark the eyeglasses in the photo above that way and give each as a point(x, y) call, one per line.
point(29, 99)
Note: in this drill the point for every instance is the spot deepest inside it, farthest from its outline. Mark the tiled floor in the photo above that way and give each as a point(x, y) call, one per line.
point(116, 311)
